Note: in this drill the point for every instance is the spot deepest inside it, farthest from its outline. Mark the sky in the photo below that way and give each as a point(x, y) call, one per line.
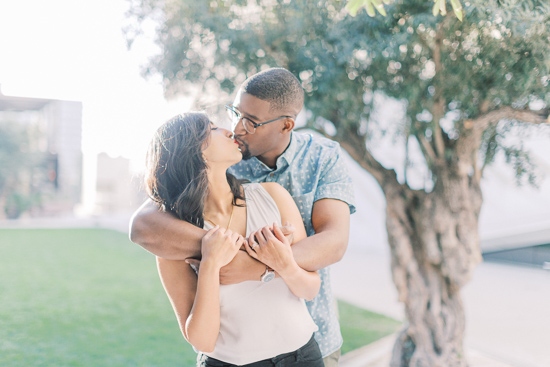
point(75, 50)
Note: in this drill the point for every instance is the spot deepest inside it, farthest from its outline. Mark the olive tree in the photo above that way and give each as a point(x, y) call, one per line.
point(462, 85)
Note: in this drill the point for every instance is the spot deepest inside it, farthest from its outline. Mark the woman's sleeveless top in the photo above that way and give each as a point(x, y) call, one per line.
point(260, 320)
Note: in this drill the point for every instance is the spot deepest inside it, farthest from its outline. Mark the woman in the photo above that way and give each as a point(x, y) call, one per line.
point(254, 323)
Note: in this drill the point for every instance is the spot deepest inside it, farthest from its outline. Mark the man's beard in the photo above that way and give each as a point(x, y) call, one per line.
point(246, 155)
point(245, 152)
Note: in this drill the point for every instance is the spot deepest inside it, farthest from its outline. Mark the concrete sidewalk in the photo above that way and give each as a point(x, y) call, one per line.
point(378, 354)
point(119, 222)
point(507, 310)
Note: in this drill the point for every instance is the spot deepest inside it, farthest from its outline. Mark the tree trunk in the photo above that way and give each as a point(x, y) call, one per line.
point(435, 248)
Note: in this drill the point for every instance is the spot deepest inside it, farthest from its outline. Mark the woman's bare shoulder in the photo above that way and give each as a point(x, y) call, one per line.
point(274, 189)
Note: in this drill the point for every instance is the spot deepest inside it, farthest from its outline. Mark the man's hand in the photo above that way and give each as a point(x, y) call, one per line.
point(241, 269)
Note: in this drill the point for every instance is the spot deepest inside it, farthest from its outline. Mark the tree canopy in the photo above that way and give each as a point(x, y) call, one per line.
point(439, 7)
point(448, 73)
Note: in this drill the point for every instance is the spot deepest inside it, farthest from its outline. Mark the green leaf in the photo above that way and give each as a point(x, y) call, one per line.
point(436, 7)
point(379, 6)
point(353, 6)
point(443, 7)
point(370, 9)
point(457, 8)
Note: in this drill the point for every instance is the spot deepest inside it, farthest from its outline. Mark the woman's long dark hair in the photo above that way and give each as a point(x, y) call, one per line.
point(176, 171)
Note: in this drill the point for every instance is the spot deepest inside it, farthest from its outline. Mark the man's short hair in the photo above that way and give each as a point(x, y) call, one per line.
point(277, 86)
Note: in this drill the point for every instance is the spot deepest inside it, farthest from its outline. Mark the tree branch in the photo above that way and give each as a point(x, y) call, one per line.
point(355, 145)
point(429, 153)
point(481, 123)
point(439, 104)
point(469, 142)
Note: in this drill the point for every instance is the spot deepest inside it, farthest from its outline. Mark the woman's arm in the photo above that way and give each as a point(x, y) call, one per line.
point(196, 301)
point(273, 248)
point(290, 215)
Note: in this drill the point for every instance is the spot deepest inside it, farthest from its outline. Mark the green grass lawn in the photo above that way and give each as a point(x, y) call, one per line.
point(89, 297)
point(361, 327)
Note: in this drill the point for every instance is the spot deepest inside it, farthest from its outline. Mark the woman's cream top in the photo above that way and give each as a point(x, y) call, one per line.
point(260, 320)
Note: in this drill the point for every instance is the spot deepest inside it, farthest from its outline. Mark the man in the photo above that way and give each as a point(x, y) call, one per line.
point(310, 168)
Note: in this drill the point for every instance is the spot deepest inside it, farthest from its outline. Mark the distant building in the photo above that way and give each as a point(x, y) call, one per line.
point(59, 127)
point(117, 191)
point(515, 220)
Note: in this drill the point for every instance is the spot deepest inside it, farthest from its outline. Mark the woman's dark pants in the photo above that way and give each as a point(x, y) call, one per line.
point(309, 355)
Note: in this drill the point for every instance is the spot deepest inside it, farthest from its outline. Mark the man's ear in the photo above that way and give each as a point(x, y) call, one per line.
point(288, 125)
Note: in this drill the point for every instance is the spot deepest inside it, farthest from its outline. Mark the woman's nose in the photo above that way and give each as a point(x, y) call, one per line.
point(229, 133)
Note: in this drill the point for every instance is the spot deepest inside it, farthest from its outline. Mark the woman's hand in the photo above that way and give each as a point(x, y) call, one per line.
point(271, 247)
point(219, 246)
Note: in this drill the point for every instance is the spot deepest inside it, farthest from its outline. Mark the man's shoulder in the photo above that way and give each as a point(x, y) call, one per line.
point(315, 143)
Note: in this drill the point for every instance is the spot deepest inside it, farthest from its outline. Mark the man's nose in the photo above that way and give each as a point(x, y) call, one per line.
point(239, 128)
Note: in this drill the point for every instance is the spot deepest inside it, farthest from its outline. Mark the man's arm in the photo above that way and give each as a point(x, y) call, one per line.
point(330, 219)
point(165, 235)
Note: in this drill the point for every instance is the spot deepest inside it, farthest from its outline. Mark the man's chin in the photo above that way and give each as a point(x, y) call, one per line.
point(244, 151)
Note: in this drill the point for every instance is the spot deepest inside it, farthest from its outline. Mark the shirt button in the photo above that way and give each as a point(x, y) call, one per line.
point(271, 175)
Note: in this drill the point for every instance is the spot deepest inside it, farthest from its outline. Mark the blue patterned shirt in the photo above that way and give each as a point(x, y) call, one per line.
point(311, 168)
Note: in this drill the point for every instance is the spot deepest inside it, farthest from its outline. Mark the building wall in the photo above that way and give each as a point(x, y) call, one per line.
point(117, 189)
point(58, 128)
point(64, 131)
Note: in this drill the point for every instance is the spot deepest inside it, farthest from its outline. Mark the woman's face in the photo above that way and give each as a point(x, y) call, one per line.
point(221, 147)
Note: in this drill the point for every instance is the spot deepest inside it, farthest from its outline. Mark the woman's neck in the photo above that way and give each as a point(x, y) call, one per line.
point(220, 197)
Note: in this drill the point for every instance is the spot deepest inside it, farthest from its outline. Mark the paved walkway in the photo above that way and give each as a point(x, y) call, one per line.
point(118, 222)
point(378, 354)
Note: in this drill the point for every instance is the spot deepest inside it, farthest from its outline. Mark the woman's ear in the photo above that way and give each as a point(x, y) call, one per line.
point(288, 125)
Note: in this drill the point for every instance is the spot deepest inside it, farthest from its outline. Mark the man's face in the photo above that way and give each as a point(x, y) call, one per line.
point(266, 137)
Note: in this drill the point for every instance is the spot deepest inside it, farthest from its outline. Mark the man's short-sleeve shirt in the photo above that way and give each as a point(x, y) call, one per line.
point(311, 168)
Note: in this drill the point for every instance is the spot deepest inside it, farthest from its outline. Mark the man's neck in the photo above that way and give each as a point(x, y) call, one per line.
point(270, 158)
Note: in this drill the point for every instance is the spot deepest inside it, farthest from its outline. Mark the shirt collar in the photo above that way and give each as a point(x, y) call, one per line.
point(288, 155)
point(283, 161)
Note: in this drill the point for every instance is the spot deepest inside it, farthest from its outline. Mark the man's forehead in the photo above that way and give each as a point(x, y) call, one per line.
point(251, 106)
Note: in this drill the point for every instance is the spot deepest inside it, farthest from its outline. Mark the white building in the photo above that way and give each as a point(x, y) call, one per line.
point(117, 190)
point(59, 125)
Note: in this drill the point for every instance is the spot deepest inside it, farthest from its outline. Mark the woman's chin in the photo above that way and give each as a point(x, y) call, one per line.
point(240, 158)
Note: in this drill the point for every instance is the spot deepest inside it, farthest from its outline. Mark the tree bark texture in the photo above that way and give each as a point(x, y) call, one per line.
point(433, 237)
point(435, 248)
